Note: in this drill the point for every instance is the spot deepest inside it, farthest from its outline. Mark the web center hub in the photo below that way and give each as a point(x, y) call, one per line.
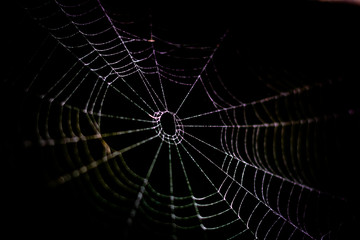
point(168, 127)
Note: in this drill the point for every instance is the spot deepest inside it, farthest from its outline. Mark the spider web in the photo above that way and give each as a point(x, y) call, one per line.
point(239, 156)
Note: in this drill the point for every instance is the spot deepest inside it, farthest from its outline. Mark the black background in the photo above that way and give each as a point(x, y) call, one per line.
point(319, 40)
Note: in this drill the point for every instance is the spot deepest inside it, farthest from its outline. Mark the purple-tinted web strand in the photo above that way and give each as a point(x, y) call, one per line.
point(266, 159)
point(107, 64)
point(159, 76)
point(243, 105)
point(216, 105)
point(222, 83)
point(255, 148)
point(201, 72)
point(75, 5)
point(157, 64)
point(266, 125)
point(216, 94)
point(94, 70)
point(162, 74)
point(146, 83)
point(282, 142)
point(249, 158)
